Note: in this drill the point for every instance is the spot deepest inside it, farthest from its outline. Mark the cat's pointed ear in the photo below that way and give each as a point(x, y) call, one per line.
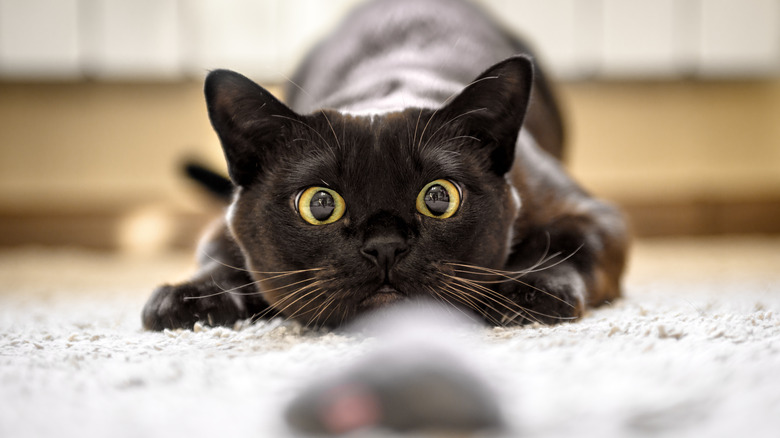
point(248, 120)
point(493, 107)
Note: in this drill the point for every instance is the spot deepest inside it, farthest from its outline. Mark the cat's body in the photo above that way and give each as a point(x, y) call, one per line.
point(416, 180)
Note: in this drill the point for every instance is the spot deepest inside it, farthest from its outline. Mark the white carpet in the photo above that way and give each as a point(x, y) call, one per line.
point(692, 351)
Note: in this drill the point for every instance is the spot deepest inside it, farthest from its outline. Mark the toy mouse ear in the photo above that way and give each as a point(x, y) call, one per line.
point(248, 120)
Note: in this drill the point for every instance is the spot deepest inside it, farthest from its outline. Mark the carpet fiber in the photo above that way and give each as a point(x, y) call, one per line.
point(692, 350)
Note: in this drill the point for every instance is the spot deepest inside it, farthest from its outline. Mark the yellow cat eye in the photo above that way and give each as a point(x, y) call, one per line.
point(320, 205)
point(439, 199)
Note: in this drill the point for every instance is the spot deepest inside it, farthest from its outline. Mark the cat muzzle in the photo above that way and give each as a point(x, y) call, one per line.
point(384, 296)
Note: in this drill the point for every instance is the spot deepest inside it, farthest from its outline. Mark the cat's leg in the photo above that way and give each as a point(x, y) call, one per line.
point(220, 293)
point(563, 267)
point(569, 249)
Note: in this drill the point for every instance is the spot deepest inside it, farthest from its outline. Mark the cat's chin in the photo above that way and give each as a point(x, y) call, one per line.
point(384, 296)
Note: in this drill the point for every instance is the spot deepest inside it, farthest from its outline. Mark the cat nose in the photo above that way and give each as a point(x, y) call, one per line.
point(385, 251)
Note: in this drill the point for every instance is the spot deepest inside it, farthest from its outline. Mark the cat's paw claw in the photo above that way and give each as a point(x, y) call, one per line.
point(545, 299)
point(181, 306)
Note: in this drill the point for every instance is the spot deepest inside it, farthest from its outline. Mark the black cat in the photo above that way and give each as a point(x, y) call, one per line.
point(399, 171)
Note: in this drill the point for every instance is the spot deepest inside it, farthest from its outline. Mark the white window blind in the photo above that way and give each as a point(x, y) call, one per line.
point(172, 39)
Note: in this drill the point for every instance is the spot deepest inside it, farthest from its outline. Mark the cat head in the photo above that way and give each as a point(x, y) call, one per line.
point(338, 214)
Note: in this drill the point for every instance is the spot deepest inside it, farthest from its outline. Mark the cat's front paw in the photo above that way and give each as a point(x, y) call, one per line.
point(543, 297)
point(181, 306)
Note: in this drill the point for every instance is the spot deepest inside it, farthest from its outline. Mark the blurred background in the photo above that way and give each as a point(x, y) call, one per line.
point(673, 108)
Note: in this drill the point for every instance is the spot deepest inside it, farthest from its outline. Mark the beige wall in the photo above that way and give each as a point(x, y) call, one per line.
point(677, 141)
point(104, 146)
point(90, 145)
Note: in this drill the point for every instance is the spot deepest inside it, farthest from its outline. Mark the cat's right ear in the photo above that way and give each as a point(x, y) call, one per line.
point(248, 120)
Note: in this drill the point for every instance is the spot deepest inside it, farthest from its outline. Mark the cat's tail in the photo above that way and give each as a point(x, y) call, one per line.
point(213, 182)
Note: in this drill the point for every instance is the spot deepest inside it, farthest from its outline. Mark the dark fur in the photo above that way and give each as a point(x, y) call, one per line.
point(566, 250)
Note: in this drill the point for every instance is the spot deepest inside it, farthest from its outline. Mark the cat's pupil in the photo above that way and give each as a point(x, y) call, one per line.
point(322, 205)
point(437, 199)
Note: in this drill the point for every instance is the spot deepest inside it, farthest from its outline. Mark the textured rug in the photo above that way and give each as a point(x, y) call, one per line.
point(692, 350)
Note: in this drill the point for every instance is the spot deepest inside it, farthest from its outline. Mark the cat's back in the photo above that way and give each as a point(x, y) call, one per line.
point(425, 50)
point(388, 55)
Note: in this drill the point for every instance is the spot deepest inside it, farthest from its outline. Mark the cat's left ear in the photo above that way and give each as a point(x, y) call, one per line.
point(248, 120)
point(493, 107)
